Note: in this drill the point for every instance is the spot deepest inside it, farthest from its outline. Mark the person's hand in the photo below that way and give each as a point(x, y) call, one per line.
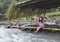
point(45, 19)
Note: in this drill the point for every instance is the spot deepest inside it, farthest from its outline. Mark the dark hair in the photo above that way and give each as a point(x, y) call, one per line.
point(41, 19)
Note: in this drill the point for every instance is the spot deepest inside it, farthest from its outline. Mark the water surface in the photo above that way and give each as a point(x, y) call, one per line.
point(17, 35)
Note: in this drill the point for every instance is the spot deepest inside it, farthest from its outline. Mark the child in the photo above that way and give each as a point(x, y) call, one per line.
point(41, 24)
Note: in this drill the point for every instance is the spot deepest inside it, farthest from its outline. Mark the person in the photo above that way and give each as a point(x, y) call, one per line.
point(41, 24)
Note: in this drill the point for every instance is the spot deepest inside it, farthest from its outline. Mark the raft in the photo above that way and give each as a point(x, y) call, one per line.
point(20, 27)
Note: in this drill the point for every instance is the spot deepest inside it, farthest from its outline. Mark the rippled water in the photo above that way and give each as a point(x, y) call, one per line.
point(16, 35)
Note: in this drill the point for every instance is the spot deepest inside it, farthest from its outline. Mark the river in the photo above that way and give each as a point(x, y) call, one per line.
point(17, 35)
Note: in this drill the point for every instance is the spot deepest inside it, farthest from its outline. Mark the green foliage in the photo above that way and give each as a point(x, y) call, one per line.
point(17, 0)
point(13, 13)
point(4, 6)
point(10, 13)
point(52, 14)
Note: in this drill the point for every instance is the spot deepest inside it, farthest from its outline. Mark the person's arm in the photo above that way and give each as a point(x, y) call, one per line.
point(45, 19)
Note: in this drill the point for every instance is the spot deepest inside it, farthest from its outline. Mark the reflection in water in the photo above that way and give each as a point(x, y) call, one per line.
point(16, 35)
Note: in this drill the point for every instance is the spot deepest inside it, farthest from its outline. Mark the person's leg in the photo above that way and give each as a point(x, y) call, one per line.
point(41, 29)
point(37, 29)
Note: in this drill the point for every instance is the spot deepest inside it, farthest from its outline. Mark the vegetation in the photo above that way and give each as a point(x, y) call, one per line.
point(3, 6)
point(53, 14)
point(12, 12)
point(29, 13)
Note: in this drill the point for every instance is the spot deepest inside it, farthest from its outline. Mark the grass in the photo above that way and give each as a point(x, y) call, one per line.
point(53, 14)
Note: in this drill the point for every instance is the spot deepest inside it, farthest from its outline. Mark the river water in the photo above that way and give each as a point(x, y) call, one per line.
point(17, 35)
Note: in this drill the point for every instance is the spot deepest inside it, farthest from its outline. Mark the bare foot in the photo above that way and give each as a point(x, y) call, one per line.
point(35, 31)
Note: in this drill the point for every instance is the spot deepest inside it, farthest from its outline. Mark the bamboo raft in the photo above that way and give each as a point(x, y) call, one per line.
point(20, 27)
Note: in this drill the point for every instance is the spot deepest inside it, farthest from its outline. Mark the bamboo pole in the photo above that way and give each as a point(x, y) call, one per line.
point(45, 10)
point(18, 20)
point(54, 29)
